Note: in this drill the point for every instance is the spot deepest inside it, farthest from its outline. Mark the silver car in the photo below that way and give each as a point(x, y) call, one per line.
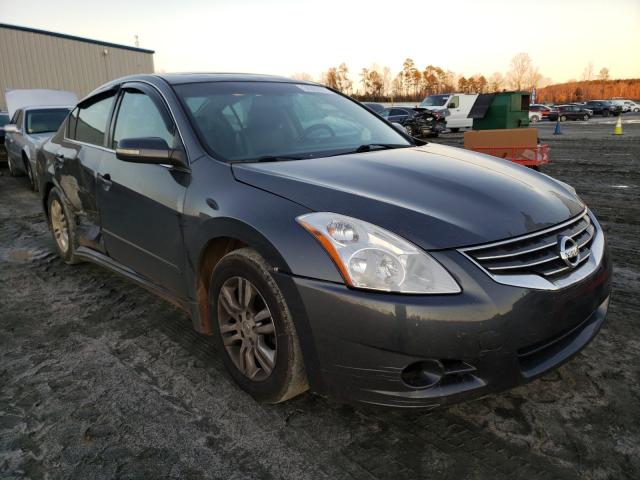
point(30, 127)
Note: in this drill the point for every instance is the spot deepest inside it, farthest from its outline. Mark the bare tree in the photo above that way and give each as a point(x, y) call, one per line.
point(307, 77)
point(496, 82)
point(344, 83)
point(604, 74)
point(587, 73)
point(519, 69)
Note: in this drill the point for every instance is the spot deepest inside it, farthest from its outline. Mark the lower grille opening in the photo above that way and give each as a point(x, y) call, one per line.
point(536, 358)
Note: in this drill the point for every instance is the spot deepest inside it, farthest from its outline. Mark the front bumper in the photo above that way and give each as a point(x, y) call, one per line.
point(489, 338)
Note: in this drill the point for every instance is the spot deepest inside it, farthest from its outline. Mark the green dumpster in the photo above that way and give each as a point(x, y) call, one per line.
point(494, 111)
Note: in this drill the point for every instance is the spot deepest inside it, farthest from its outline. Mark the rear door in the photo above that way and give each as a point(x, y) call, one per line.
point(76, 161)
point(398, 115)
point(140, 204)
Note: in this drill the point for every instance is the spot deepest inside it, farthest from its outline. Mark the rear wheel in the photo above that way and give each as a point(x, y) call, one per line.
point(62, 226)
point(254, 329)
point(585, 117)
point(563, 118)
point(534, 119)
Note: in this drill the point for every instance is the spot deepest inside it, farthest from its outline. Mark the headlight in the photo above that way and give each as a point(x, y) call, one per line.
point(372, 258)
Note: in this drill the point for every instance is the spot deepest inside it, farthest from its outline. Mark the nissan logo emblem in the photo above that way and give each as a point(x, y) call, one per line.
point(569, 251)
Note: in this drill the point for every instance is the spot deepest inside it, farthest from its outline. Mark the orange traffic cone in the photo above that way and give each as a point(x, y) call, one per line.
point(618, 129)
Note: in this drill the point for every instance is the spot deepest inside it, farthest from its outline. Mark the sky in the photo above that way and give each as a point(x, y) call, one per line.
point(284, 36)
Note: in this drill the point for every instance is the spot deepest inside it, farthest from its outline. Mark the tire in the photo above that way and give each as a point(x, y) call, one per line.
point(636, 110)
point(585, 117)
point(62, 226)
point(33, 181)
point(605, 113)
point(13, 171)
point(243, 333)
point(563, 118)
point(454, 130)
point(534, 119)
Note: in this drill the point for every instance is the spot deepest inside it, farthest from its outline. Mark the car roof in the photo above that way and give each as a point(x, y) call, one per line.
point(186, 78)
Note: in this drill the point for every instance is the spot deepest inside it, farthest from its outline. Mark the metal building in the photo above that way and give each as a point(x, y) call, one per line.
point(31, 58)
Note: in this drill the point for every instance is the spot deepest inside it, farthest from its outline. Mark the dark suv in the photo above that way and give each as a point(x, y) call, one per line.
point(321, 247)
point(603, 107)
point(569, 112)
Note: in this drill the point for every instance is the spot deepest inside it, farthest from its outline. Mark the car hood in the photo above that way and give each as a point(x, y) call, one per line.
point(39, 138)
point(435, 196)
point(37, 97)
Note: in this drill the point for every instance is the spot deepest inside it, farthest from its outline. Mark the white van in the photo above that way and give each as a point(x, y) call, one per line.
point(458, 104)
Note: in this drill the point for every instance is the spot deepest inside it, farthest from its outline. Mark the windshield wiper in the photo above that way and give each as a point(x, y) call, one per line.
point(268, 158)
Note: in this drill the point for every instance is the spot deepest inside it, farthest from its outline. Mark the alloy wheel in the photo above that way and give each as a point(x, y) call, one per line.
point(247, 328)
point(59, 225)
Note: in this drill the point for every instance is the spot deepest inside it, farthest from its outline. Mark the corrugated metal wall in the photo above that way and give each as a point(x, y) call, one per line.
point(36, 60)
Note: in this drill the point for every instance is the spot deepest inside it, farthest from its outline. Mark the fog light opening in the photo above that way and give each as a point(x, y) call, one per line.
point(423, 374)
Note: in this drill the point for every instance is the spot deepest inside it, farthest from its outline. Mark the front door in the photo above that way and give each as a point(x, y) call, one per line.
point(140, 204)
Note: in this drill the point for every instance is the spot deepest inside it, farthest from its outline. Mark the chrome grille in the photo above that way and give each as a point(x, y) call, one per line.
point(537, 253)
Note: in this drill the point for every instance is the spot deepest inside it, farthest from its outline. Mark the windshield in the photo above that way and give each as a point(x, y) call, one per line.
point(252, 120)
point(435, 101)
point(45, 121)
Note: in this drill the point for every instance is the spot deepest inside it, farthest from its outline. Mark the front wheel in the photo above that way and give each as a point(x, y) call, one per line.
point(33, 181)
point(13, 171)
point(534, 119)
point(454, 130)
point(254, 329)
point(585, 117)
point(563, 118)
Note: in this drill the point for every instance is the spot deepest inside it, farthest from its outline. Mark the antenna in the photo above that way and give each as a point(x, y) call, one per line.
point(137, 42)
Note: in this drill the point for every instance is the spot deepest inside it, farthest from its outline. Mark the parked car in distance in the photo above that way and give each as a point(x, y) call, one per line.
point(458, 105)
point(539, 112)
point(632, 106)
point(376, 107)
point(619, 102)
point(29, 128)
point(35, 115)
point(418, 122)
point(569, 112)
point(603, 107)
point(4, 119)
point(321, 247)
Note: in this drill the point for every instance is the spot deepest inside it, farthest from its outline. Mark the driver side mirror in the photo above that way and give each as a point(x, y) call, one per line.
point(11, 128)
point(152, 150)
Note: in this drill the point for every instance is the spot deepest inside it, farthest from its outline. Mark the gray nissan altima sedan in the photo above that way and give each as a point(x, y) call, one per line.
point(321, 247)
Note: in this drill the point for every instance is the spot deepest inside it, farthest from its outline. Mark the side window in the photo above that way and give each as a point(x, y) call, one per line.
point(454, 102)
point(396, 112)
point(71, 124)
point(139, 117)
point(385, 113)
point(92, 121)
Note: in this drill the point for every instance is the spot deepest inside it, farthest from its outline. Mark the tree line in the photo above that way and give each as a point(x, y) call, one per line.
point(412, 83)
point(580, 91)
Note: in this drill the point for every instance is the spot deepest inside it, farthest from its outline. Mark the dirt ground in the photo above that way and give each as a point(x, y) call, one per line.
point(100, 379)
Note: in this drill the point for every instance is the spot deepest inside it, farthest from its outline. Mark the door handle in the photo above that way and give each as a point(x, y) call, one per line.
point(105, 181)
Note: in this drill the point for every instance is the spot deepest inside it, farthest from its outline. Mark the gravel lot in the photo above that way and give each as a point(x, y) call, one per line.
point(100, 379)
